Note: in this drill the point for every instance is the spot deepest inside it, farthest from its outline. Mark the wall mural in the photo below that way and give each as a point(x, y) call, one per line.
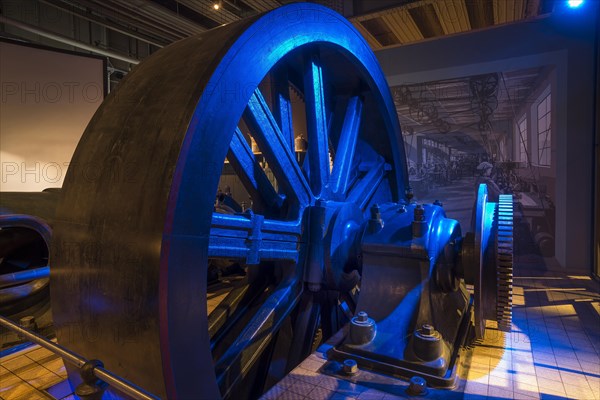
point(494, 129)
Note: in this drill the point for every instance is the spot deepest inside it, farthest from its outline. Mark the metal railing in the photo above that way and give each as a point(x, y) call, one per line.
point(98, 371)
point(24, 276)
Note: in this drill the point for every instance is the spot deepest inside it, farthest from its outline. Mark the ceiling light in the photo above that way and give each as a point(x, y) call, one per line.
point(216, 6)
point(574, 3)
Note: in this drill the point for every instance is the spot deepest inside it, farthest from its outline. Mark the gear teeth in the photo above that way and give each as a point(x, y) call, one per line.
point(504, 262)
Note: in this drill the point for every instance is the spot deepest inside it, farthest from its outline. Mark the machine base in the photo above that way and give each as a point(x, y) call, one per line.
point(392, 372)
point(449, 380)
point(394, 385)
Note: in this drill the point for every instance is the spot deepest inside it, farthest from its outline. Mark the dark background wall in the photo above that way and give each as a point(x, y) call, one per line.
point(564, 40)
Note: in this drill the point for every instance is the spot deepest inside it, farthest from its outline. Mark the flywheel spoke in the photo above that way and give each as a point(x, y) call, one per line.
point(254, 339)
point(282, 105)
point(252, 237)
point(362, 191)
point(276, 150)
point(340, 175)
point(250, 173)
point(317, 132)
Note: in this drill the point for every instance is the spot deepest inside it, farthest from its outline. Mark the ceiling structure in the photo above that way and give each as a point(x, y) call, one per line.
point(414, 21)
point(384, 23)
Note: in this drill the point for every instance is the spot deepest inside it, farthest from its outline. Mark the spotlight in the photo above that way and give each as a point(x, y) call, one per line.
point(574, 3)
point(216, 6)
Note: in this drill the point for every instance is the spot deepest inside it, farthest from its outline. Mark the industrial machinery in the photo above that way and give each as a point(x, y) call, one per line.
point(25, 237)
point(24, 271)
point(329, 239)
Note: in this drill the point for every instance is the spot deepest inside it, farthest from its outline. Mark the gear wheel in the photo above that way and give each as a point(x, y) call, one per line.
point(488, 254)
point(504, 262)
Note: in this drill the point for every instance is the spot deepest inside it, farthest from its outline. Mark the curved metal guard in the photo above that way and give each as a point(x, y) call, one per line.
point(24, 231)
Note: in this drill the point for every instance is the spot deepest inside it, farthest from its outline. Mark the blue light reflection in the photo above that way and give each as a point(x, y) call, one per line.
point(574, 3)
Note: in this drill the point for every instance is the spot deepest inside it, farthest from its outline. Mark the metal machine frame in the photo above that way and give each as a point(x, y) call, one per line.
point(325, 237)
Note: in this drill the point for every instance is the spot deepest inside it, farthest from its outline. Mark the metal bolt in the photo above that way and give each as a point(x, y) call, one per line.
point(427, 330)
point(417, 387)
point(28, 322)
point(350, 367)
point(375, 212)
point(362, 317)
point(362, 329)
point(419, 213)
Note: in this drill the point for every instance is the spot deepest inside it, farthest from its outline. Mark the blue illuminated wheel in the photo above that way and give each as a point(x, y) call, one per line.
point(493, 267)
point(136, 241)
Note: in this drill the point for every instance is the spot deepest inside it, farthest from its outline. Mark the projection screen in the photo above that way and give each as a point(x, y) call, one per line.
point(47, 99)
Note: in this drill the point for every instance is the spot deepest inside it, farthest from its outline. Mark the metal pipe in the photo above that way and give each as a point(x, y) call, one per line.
point(128, 20)
point(255, 336)
point(101, 373)
point(123, 385)
point(66, 40)
point(23, 276)
point(145, 12)
point(18, 292)
point(232, 5)
point(91, 18)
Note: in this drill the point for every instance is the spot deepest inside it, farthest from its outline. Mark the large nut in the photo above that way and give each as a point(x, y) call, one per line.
point(350, 367)
point(362, 329)
point(417, 387)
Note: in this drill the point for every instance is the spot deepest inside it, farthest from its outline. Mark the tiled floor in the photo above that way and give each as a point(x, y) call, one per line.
point(26, 374)
point(552, 352)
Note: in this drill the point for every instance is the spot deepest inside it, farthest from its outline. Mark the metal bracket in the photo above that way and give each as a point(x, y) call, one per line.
point(254, 239)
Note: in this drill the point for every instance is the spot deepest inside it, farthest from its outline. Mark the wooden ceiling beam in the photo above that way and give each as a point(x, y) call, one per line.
point(481, 13)
point(403, 26)
point(452, 15)
point(427, 20)
point(367, 35)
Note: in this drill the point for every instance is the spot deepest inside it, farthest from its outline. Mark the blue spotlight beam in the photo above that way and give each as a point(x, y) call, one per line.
point(575, 3)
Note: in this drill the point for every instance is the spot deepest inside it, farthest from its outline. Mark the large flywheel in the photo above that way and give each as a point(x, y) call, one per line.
point(137, 226)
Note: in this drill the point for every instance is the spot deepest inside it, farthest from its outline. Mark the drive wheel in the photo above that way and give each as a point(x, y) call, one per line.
point(137, 227)
point(492, 262)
